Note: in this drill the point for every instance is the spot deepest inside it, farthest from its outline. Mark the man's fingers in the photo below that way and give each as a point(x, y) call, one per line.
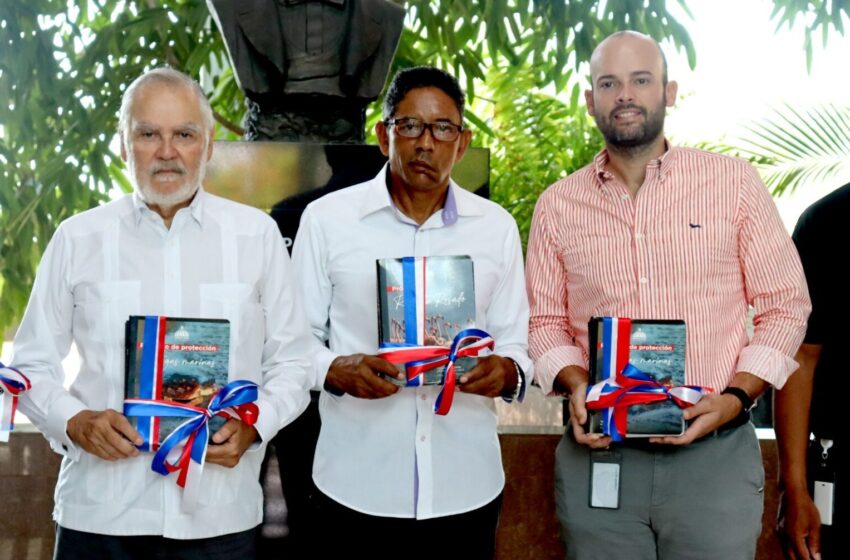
point(814, 538)
point(224, 454)
point(578, 409)
point(122, 425)
point(118, 444)
point(377, 387)
point(226, 432)
point(487, 386)
point(700, 408)
point(800, 549)
point(596, 441)
point(480, 371)
point(380, 365)
point(102, 450)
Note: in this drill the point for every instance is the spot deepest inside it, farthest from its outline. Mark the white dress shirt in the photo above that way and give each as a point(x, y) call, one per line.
point(394, 457)
point(219, 260)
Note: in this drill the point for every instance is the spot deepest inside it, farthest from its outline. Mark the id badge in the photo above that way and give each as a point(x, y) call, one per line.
point(823, 477)
point(605, 468)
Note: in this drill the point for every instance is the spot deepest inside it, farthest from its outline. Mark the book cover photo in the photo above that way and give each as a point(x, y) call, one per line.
point(175, 359)
point(657, 348)
point(426, 301)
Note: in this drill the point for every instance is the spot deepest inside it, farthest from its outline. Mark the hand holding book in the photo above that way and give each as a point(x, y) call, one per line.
point(572, 381)
point(492, 376)
point(230, 442)
point(106, 434)
point(359, 375)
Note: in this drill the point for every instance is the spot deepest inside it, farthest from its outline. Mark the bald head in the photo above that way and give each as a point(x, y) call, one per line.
point(617, 43)
point(630, 92)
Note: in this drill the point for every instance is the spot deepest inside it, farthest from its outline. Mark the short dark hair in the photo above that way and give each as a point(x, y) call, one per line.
point(408, 79)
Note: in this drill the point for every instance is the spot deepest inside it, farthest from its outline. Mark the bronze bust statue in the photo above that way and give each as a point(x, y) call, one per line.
point(309, 67)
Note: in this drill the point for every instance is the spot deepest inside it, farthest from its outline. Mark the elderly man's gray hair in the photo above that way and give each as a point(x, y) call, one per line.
point(169, 77)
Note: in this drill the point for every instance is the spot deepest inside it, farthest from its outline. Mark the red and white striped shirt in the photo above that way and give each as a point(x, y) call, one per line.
point(701, 242)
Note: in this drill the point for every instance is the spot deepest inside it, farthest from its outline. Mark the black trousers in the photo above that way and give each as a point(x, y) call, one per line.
point(78, 545)
point(351, 534)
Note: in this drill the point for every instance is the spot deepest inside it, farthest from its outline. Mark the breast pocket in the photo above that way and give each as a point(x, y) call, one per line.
point(104, 308)
point(239, 304)
point(101, 311)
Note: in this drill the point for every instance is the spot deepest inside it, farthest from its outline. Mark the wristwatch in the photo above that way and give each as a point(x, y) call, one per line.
point(519, 391)
point(747, 402)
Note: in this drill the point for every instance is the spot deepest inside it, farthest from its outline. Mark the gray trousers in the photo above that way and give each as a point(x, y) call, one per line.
point(703, 501)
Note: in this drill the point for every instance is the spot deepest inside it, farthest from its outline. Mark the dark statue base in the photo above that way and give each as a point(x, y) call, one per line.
point(325, 119)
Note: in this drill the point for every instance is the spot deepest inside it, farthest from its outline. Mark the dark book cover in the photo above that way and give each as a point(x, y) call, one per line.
point(186, 362)
point(426, 301)
point(657, 348)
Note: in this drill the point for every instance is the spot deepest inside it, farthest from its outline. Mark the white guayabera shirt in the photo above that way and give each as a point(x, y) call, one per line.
point(394, 457)
point(218, 260)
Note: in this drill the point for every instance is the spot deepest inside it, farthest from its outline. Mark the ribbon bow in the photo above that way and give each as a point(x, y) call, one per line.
point(632, 386)
point(12, 384)
point(625, 385)
point(416, 359)
point(185, 448)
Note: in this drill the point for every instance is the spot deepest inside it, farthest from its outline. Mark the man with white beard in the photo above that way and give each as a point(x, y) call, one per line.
point(168, 249)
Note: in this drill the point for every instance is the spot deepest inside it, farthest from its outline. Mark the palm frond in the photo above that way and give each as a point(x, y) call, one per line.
point(795, 147)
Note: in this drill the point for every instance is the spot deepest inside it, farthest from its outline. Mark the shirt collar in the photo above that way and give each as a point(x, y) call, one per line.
point(458, 201)
point(661, 166)
point(196, 207)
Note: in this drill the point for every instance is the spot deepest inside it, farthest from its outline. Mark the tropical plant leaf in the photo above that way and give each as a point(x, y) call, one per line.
point(793, 147)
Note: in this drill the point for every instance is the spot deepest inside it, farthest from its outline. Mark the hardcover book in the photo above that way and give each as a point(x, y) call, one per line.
point(426, 301)
point(657, 348)
point(174, 359)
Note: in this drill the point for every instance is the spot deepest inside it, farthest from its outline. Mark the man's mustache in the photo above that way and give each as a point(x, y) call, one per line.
point(168, 168)
point(629, 107)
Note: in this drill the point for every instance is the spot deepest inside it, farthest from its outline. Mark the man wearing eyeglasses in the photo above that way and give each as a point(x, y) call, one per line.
point(395, 478)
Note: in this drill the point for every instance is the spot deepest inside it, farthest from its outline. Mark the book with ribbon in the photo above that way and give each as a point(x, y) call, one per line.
point(426, 301)
point(637, 376)
point(172, 359)
point(426, 321)
point(12, 384)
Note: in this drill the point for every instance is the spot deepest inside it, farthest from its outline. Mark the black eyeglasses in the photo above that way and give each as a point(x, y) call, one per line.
point(410, 127)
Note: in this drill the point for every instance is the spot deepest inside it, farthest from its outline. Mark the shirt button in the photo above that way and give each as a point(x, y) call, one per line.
point(423, 397)
point(638, 236)
point(643, 280)
point(422, 438)
point(624, 196)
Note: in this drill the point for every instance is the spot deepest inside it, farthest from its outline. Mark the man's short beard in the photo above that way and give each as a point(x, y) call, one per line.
point(166, 200)
point(637, 141)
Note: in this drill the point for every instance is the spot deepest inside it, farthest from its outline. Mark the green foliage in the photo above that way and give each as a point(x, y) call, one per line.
point(797, 147)
point(64, 65)
point(538, 139)
point(818, 16)
point(63, 68)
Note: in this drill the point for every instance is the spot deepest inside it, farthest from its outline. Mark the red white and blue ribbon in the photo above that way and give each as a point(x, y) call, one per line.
point(184, 450)
point(625, 385)
point(12, 384)
point(468, 343)
point(150, 377)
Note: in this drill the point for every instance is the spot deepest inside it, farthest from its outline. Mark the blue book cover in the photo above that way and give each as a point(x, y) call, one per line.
point(657, 348)
point(190, 360)
point(426, 301)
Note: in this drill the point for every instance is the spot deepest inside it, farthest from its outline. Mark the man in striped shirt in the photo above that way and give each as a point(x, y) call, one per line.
point(651, 231)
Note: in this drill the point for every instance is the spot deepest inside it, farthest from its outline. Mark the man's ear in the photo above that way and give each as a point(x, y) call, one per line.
point(464, 140)
point(588, 100)
point(383, 137)
point(671, 90)
point(123, 146)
